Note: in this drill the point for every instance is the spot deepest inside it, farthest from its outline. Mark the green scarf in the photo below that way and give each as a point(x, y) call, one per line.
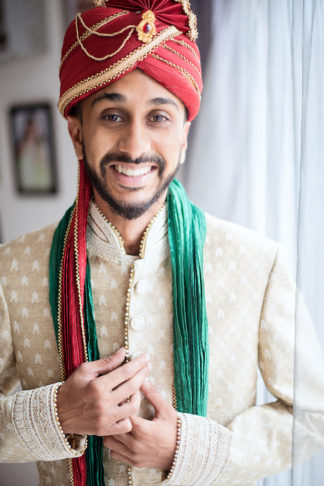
point(187, 232)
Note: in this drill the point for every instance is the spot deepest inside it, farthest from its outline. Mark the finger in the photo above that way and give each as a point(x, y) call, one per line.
point(138, 421)
point(107, 364)
point(115, 446)
point(131, 386)
point(140, 427)
point(130, 408)
point(122, 427)
point(127, 440)
point(154, 396)
point(125, 372)
point(123, 459)
point(136, 400)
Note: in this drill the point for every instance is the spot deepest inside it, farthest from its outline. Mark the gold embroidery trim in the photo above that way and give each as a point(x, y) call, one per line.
point(60, 295)
point(117, 69)
point(59, 321)
point(113, 228)
point(59, 300)
point(99, 3)
point(182, 57)
point(102, 34)
point(183, 71)
point(78, 283)
point(184, 44)
point(93, 29)
point(192, 19)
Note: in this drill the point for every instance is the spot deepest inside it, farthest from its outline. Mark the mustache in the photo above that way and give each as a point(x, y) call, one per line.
point(143, 159)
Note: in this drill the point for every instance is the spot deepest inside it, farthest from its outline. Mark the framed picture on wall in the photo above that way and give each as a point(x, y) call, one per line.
point(33, 149)
point(72, 7)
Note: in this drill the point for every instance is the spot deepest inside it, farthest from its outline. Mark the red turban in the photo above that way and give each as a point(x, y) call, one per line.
point(109, 41)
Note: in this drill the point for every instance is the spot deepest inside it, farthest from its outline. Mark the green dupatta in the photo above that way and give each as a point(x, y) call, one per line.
point(187, 232)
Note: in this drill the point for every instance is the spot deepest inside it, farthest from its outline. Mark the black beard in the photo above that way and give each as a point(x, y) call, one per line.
point(128, 211)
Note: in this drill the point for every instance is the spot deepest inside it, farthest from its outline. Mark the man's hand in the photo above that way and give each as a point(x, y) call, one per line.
point(93, 400)
point(151, 443)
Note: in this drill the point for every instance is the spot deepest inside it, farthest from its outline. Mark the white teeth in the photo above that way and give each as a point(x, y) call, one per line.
point(131, 172)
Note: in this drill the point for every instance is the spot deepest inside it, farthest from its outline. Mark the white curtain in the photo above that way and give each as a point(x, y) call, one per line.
point(257, 156)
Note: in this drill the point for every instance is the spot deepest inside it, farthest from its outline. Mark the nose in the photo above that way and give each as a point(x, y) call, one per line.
point(135, 140)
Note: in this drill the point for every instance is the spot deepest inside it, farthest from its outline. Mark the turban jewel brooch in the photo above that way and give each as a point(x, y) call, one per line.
point(167, 11)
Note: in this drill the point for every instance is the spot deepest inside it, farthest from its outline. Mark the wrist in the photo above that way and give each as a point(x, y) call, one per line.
point(72, 441)
point(61, 409)
point(176, 451)
point(58, 403)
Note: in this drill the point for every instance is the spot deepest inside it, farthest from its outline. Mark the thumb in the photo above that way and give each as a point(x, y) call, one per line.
point(155, 397)
point(109, 363)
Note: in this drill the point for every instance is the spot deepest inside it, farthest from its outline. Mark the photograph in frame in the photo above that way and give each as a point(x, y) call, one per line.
point(33, 149)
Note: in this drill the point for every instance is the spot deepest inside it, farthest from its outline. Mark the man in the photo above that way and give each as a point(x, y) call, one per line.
point(156, 306)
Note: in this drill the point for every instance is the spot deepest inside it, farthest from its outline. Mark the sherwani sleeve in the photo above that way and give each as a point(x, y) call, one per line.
point(29, 429)
point(259, 441)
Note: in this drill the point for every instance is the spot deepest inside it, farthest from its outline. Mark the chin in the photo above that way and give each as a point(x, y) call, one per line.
point(130, 204)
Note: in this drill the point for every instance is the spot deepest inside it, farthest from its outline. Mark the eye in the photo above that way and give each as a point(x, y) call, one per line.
point(158, 118)
point(112, 117)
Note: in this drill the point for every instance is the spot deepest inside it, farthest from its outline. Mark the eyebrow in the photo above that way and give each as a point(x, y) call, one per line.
point(117, 97)
point(163, 101)
point(109, 96)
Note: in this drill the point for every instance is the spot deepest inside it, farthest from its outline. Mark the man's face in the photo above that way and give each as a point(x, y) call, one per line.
point(132, 136)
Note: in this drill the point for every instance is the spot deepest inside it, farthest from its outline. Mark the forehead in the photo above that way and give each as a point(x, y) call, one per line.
point(136, 86)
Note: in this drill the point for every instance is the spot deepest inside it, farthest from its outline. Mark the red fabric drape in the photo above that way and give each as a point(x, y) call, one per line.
point(73, 348)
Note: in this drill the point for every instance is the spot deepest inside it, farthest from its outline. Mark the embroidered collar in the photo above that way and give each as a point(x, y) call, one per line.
point(104, 240)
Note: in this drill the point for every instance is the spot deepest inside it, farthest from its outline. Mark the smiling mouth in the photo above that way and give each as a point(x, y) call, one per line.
point(138, 172)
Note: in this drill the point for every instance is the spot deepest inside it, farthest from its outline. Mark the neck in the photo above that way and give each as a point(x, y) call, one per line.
point(130, 230)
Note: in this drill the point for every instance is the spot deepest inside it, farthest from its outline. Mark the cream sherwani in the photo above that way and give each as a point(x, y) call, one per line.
point(251, 314)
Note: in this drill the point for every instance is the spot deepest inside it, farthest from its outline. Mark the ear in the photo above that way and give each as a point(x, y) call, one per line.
point(184, 145)
point(75, 131)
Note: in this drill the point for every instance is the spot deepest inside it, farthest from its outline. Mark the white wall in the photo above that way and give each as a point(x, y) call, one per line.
point(34, 79)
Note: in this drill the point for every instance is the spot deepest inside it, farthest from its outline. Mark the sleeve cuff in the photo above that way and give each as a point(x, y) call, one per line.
point(203, 452)
point(35, 421)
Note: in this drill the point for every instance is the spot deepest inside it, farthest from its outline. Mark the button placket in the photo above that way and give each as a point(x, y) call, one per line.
point(137, 321)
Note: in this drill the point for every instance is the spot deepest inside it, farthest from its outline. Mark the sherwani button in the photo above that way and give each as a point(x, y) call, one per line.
point(138, 323)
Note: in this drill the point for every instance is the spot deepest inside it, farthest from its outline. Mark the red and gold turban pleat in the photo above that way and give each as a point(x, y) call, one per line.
point(105, 43)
